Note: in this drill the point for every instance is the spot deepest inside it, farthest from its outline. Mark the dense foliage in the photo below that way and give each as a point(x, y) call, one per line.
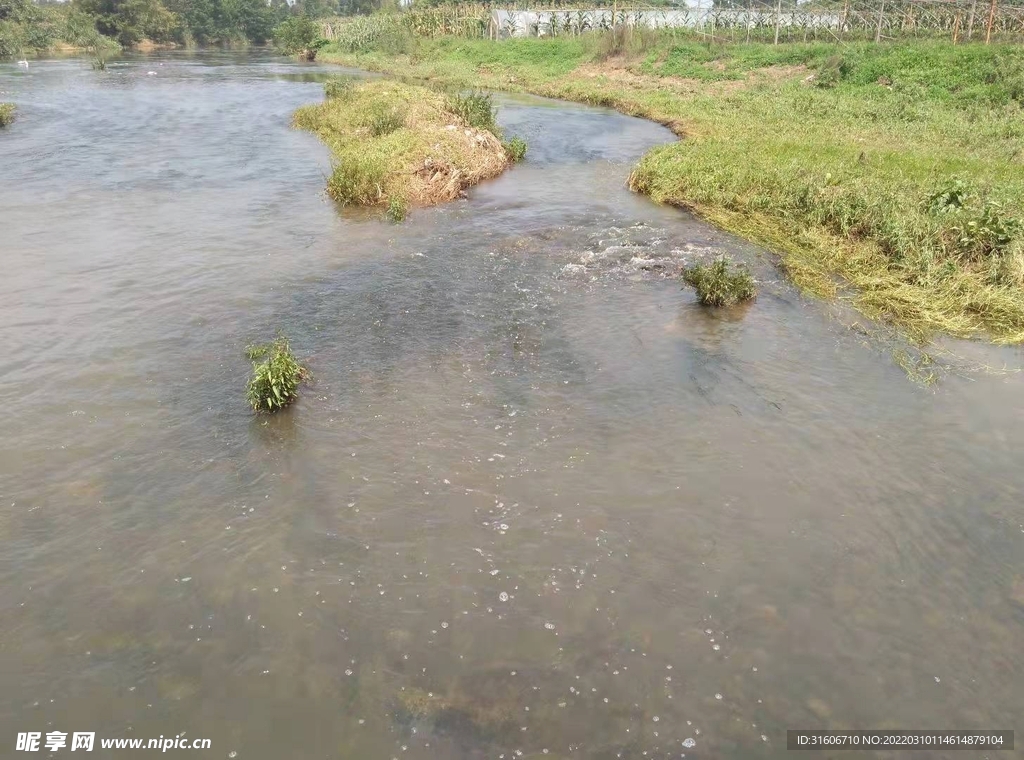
point(27, 26)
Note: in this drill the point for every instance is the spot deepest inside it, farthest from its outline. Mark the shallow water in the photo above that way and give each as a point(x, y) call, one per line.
point(535, 501)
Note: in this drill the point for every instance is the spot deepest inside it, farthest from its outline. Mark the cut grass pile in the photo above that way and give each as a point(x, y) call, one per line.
point(398, 145)
point(832, 156)
point(7, 114)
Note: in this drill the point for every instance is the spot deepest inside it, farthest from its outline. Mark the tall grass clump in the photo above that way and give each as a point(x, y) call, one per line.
point(385, 120)
point(7, 112)
point(720, 284)
point(338, 88)
point(474, 108)
point(276, 375)
point(397, 210)
point(515, 149)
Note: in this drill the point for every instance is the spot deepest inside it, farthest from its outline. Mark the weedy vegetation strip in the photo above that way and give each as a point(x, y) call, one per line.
point(890, 175)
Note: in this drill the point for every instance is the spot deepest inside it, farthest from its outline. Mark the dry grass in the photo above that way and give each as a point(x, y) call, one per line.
point(400, 145)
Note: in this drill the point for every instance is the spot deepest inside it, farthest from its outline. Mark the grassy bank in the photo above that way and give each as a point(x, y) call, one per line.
point(398, 145)
point(890, 175)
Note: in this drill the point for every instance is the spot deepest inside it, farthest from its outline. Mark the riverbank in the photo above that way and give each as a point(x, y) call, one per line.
point(399, 145)
point(889, 176)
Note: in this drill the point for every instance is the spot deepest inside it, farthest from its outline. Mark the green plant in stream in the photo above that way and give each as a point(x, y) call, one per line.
point(7, 111)
point(515, 149)
point(719, 284)
point(397, 210)
point(476, 109)
point(99, 64)
point(276, 375)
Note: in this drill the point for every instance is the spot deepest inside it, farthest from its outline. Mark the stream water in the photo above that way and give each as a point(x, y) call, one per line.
point(535, 502)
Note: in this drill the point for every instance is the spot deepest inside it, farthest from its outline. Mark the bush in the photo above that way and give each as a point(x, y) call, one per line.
point(385, 121)
point(830, 73)
point(338, 88)
point(397, 209)
point(300, 36)
point(476, 109)
point(276, 375)
point(515, 149)
point(357, 180)
point(718, 286)
point(7, 111)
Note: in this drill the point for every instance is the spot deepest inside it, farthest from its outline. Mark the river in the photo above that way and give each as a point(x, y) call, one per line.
point(535, 501)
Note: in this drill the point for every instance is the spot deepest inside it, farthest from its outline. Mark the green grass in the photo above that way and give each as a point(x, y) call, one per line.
point(398, 145)
point(7, 114)
point(828, 155)
point(516, 149)
point(276, 374)
point(720, 283)
point(475, 108)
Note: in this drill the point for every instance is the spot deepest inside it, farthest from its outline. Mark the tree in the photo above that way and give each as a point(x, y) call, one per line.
point(129, 21)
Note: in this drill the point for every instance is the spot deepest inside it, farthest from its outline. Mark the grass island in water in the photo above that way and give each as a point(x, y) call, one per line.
point(398, 146)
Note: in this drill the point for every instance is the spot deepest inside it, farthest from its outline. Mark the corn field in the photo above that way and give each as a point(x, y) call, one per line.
point(737, 21)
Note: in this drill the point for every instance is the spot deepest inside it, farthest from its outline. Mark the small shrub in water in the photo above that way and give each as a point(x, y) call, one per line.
point(6, 114)
point(515, 149)
point(476, 109)
point(276, 375)
point(718, 285)
point(397, 209)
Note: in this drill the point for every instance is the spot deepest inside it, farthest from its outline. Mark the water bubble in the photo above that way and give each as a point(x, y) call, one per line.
point(550, 626)
point(444, 624)
point(718, 696)
point(689, 743)
point(655, 718)
point(232, 753)
point(503, 596)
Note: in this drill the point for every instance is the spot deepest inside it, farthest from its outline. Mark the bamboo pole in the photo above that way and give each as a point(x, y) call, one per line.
point(991, 19)
point(881, 15)
point(970, 19)
point(956, 28)
point(778, 19)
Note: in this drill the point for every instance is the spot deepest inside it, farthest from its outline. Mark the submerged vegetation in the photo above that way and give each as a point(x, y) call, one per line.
point(397, 145)
point(276, 375)
point(720, 283)
point(890, 175)
point(7, 113)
